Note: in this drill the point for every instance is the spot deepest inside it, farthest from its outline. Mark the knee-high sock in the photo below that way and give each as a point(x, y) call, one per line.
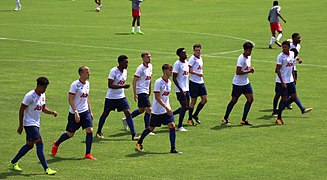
point(17, 3)
point(280, 35)
point(130, 124)
point(146, 119)
point(298, 103)
point(282, 105)
point(23, 150)
point(62, 138)
point(247, 107)
point(143, 135)
point(198, 109)
point(135, 113)
point(177, 111)
point(275, 103)
point(102, 120)
point(181, 118)
point(172, 138)
point(190, 113)
point(88, 142)
point(272, 39)
point(40, 155)
point(229, 109)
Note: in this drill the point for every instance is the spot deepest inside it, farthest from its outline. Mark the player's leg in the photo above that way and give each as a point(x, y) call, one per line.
point(201, 104)
point(276, 98)
point(109, 105)
point(139, 24)
point(273, 33)
point(190, 110)
point(236, 93)
point(146, 132)
point(130, 124)
point(18, 5)
point(247, 106)
point(133, 23)
point(147, 116)
point(172, 134)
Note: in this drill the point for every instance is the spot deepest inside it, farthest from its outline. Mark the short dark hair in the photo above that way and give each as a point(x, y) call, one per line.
point(166, 66)
point(294, 35)
point(275, 3)
point(286, 43)
point(247, 45)
point(121, 58)
point(144, 53)
point(179, 50)
point(81, 69)
point(42, 81)
point(196, 46)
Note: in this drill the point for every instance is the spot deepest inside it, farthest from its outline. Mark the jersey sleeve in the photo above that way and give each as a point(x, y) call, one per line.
point(156, 86)
point(279, 60)
point(72, 89)
point(191, 62)
point(27, 100)
point(138, 72)
point(112, 74)
point(176, 68)
point(239, 62)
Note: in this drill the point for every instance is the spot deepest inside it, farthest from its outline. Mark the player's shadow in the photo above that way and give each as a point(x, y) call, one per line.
point(264, 125)
point(143, 153)
point(123, 33)
point(221, 126)
point(13, 173)
point(6, 10)
point(58, 159)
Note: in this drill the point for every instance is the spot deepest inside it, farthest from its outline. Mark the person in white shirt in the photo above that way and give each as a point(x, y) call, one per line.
point(161, 110)
point(142, 89)
point(180, 78)
point(80, 113)
point(115, 98)
point(285, 84)
point(197, 87)
point(29, 118)
point(241, 84)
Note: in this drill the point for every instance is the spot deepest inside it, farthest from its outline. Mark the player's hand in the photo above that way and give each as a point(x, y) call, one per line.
point(299, 60)
point(127, 86)
point(200, 75)
point(284, 85)
point(135, 97)
point(77, 118)
point(54, 113)
point(91, 114)
point(169, 112)
point(252, 70)
point(284, 20)
point(20, 129)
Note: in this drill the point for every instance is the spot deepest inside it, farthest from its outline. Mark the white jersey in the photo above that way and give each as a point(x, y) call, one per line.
point(144, 73)
point(197, 65)
point(81, 92)
point(164, 88)
point(35, 104)
point(182, 70)
point(119, 78)
point(245, 64)
point(287, 62)
point(297, 47)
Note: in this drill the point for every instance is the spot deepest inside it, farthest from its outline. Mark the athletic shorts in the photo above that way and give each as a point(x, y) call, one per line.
point(136, 12)
point(85, 121)
point(180, 97)
point(143, 100)
point(289, 90)
point(113, 104)
point(197, 90)
point(32, 133)
point(161, 119)
point(275, 26)
point(239, 90)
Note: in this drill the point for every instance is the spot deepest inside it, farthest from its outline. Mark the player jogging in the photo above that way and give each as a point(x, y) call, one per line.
point(273, 15)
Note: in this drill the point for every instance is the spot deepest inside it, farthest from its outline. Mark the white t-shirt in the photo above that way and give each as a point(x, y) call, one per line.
point(144, 74)
point(81, 92)
point(297, 47)
point(197, 65)
point(182, 70)
point(287, 62)
point(245, 64)
point(35, 104)
point(119, 78)
point(164, 88)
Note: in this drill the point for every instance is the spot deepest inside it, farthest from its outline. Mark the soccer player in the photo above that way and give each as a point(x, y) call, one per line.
point(161, 110)
point(180, 78)
point(136, 14)
point(241, 84)
point(197, 87)
point(18, 5)
point(80, 113)
point(142, 88)
point(273, 15)
point(98, 2)
point(29, 118)
point(115, 98)
point(285, 84)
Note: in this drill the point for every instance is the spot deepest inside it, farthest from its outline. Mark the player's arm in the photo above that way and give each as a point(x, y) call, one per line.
point(279, 74)
point(134, 86)
point(240, 72)
point(46, 110)
point(176, 82)
point(72, 104)
point(150, 84)
point(21, 116)
point(194, 72)
point(281, 18)
point(269, 18)
point(89, 105)
point(113, 86)
point(159, 100)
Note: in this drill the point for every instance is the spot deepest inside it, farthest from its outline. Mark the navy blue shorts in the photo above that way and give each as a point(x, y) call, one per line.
point(161, 119)
point(197, 90)
point(85, 121)
point(182, 98)
point(143, 100)
point(289, 90)
point(239, 90)
point(32, 133)
point(113, 104)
